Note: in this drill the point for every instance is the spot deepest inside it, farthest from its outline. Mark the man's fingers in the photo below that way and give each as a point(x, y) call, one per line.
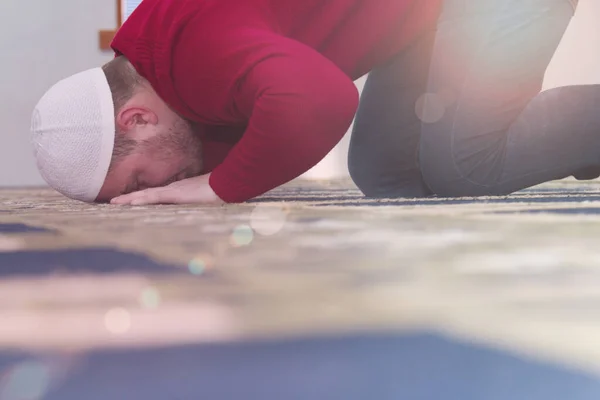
point(194, 190)
point(127, 198)
point(164, 195)
point(131, 197)
point(150, 197)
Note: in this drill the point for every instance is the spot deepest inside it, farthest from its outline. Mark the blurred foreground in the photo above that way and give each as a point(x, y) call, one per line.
point(310, 292)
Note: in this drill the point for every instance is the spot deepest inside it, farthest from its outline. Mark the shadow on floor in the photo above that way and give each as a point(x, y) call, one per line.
point(22, 228)
point(96, 261)
point(384, 367)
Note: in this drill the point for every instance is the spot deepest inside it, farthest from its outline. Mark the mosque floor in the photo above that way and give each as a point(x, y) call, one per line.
point(309, 292)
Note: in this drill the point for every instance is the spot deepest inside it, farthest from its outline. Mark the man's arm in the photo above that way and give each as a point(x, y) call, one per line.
point(299, 106)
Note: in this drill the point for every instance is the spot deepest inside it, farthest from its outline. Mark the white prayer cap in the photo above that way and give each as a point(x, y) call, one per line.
point(73, 134)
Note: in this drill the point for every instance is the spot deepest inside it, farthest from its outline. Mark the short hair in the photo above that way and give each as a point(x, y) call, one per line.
point(123, 81)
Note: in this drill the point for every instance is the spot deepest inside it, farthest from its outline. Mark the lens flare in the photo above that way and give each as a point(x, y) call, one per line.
point(200, 264)
point(430, 108)
point(242, 236)
point(117, 321)
point(268, 220)
point(8, 243)
point(150, 298)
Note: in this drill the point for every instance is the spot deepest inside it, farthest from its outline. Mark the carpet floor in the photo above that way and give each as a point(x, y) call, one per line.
point(308, 292)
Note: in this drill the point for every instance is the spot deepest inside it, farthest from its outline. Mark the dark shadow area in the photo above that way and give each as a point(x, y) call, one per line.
point(353, 198)
point(565, 211)
point(378, 367)
point(80, 261)
point(450, 201)
point(22, 228)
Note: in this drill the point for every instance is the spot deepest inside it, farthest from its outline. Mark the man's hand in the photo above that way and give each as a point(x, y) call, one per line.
point(187, 191)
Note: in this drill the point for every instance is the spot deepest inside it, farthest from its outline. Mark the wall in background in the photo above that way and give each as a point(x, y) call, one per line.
point(42, 41)
point(577, 60)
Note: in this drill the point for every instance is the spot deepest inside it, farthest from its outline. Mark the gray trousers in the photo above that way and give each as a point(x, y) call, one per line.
point(460, 112)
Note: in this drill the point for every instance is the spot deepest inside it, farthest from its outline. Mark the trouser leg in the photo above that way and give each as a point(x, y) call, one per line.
point(500, 134)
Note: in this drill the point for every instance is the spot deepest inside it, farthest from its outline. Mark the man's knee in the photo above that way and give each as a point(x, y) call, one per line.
point(363, 176)
point(381, 183)
point(357, 177)
point(446, 176)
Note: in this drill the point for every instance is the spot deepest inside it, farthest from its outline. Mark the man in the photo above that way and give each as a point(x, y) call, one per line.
point(212, 101)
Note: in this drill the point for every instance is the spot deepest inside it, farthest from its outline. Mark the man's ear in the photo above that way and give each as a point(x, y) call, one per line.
point(131, 116)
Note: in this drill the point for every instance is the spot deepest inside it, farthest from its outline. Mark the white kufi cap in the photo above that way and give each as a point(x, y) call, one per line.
point(73, 134)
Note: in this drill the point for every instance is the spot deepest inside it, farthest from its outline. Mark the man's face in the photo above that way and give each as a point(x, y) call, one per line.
point(164, 156)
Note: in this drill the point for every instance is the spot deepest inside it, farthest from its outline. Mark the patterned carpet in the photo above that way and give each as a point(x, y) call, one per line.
point(309, 292)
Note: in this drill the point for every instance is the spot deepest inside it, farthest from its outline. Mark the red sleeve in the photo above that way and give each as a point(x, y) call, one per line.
point(298, 106)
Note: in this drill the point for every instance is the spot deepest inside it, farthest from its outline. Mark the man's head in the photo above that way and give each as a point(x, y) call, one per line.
point(106, 132)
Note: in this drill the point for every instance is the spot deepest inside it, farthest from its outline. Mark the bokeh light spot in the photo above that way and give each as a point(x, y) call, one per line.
point(242, 236)
point(430, 108)
point(268, 220)
point(117, 321)
point(27, 381)
point(197, 266)
point(200, 264)
point(150, 298)
point(8, 243)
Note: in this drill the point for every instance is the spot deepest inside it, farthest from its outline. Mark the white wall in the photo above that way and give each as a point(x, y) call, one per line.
point(577, 60)
point(42, 41)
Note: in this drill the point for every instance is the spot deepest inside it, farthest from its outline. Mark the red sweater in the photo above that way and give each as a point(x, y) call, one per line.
point(269, 82)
